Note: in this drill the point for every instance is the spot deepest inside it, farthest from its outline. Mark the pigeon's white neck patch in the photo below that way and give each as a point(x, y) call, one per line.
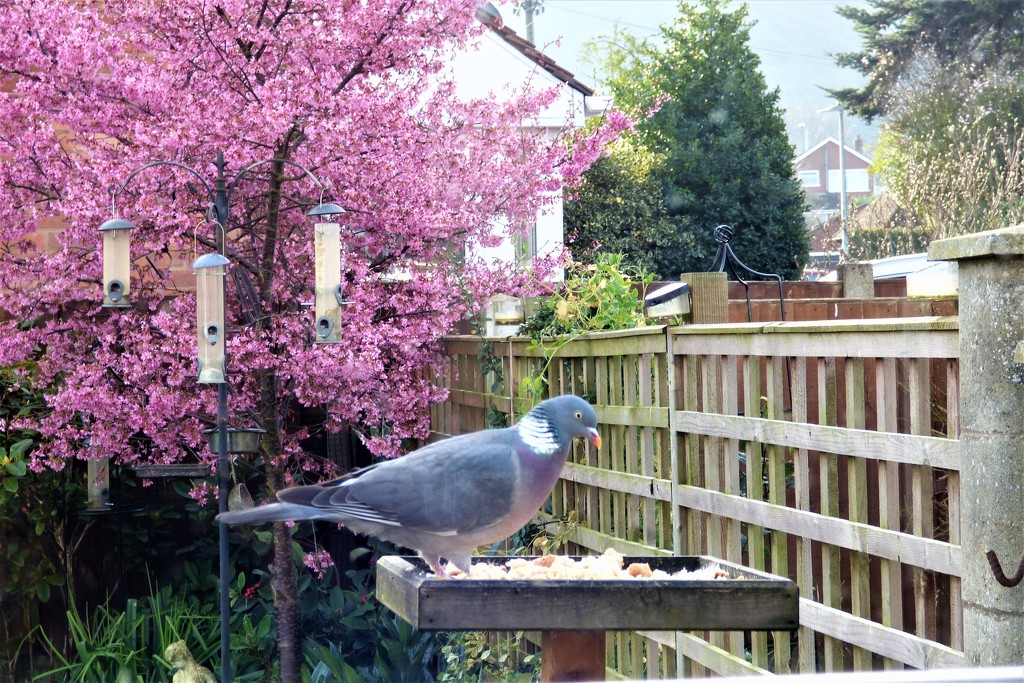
point(537, 433)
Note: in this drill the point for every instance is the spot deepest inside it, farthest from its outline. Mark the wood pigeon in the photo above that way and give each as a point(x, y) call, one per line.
point(449, 497)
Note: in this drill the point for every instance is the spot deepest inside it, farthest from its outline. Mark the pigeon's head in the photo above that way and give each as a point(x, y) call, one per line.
point(570, 417)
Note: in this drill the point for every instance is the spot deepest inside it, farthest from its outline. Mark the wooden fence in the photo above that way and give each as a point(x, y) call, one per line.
point(826, 452)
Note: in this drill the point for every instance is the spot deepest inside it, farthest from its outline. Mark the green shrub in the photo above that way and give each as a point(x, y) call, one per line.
point(867, 244)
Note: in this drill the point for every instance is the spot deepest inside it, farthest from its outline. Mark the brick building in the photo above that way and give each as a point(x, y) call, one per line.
point(817, 169)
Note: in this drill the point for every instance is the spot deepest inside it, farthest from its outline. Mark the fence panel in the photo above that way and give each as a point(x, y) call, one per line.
point(825, 452)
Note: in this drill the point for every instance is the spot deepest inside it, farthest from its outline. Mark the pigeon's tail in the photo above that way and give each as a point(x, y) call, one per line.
point(275, 512)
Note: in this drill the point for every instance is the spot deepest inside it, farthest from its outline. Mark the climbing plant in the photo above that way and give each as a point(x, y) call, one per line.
point(604, 295)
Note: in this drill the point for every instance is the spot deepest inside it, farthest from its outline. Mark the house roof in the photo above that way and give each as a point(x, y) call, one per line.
point(489, 16)
point(833, 141)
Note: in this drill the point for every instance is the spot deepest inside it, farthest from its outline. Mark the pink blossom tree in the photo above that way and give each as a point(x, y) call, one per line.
point(357, 91)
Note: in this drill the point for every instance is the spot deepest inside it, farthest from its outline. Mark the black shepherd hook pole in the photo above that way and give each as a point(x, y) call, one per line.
point(997, 569)
point(727, 258)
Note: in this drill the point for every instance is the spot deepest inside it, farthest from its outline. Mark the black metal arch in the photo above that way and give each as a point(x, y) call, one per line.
point(726, 258)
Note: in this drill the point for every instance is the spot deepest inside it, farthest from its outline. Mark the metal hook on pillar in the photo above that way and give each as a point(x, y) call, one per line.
point(997, 570)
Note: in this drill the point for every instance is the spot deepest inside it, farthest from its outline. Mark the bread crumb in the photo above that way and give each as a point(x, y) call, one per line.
point(639, 569)
point(607, 566)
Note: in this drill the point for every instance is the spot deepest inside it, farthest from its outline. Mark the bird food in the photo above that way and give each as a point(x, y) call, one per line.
point(608, 566)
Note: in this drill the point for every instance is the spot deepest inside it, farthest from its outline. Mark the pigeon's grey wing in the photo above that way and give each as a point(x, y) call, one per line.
point(458, 485)
point(316, 495)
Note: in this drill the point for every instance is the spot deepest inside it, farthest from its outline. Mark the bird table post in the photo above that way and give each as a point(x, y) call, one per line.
point(572, 655)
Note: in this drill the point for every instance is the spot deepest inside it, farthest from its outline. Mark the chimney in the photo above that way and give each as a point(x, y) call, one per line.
point(858, 144)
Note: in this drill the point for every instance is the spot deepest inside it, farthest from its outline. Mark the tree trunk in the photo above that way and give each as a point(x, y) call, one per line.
point(285, 586)
point(286, 604)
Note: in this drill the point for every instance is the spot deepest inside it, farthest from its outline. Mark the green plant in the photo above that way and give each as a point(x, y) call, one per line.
point(106, 644)
point(326, 664)
point(604, 295)
point(103, 647)
point(475, 656)
point(30, 524)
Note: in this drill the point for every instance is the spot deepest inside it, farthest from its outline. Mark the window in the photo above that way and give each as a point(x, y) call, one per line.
point(856, 180)
point(809, 178)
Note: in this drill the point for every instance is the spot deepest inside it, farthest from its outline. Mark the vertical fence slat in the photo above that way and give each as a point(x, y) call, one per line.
point(889, 497)
point(956, 605)
point(922, 496)
point(802, 484)
point(755, 491)
point(828, 472)
point(857, 494)
point(733, 541)
point(776, 380)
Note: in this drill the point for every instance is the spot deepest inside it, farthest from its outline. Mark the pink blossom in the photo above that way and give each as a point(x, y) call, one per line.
point(357, 92)
point(319, 561)
point(203, 493)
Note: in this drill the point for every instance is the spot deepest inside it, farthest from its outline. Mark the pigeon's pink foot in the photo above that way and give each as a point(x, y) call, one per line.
point(435, 565)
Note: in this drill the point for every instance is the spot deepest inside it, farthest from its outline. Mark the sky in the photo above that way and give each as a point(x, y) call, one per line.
point(793, 38)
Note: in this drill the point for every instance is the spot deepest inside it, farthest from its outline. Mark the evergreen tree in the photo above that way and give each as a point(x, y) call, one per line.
point(619, 207)
point(908, 43)
point(719, 132)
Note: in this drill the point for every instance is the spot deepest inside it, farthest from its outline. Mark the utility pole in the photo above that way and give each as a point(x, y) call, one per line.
point(842, 176)
point(529, 8)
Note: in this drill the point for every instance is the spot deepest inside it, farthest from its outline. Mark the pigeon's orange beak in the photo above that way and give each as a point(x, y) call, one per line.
point(595, 437)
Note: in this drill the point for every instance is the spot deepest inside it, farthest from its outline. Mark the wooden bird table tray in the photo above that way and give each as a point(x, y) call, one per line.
point(574, 614)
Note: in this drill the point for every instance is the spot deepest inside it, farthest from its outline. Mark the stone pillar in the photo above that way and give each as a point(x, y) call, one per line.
point(858, 278)
point(991, 266)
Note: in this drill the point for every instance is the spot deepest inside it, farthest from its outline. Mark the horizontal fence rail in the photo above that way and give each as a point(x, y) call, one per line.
point(825, 452)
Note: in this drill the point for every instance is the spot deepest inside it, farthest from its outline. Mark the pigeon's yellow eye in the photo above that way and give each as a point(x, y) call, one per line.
point(579, 415)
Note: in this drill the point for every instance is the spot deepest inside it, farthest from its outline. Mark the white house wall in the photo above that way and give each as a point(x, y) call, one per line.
point(494, 69)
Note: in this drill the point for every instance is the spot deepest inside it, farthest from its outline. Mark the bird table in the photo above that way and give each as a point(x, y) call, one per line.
point(574, 614)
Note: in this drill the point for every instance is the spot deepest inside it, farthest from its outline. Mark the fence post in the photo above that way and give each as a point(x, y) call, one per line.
point(991, 436)
point(709, 297)
point(858, 278)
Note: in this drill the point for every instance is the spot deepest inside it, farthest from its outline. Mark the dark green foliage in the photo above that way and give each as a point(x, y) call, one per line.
point(722, 153)
point(907, 41)
point(347, 635)
point(620, 207)
point(30, 527)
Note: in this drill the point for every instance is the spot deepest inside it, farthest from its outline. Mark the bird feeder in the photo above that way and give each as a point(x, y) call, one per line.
point(116, 262)
point(210, 270)
point(98, 486)
point(327, 273)
point(239, 440)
